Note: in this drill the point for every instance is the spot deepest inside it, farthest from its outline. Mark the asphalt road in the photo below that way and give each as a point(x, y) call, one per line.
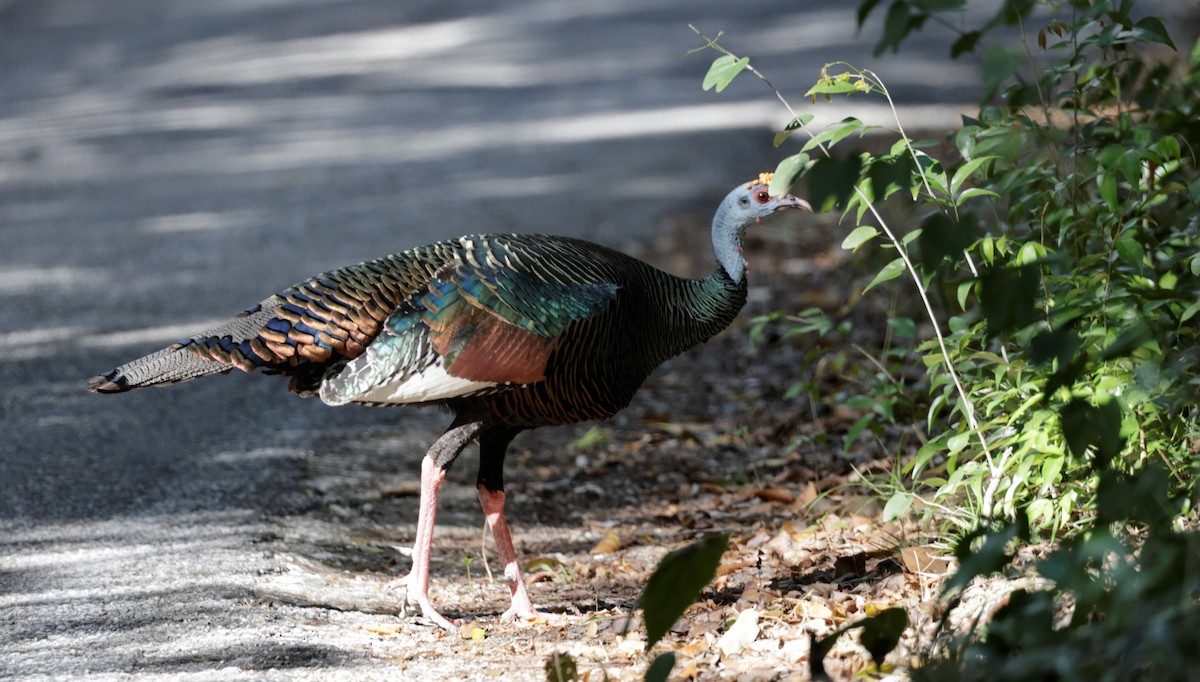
point(166, 163)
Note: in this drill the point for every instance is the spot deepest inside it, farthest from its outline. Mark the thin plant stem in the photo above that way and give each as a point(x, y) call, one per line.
point(968, 406)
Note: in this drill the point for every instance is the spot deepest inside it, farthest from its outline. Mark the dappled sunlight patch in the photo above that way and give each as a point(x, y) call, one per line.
point(202, 221)
point(22, 280)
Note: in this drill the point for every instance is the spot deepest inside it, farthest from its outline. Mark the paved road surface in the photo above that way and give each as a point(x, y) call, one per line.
point(164, 163)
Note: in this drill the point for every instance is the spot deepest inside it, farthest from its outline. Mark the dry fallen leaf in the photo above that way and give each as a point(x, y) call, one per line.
point(795, 650)
point(760, 538)
point(739, 635)
point(608, 544)
point(775, 493)
point(780, 544)
point(852, 565)
point(402, 489)
point(756, 594)
point(924, 560)
point(631, 645)
point(384, 629)
point(727, 568)
point(814, 609)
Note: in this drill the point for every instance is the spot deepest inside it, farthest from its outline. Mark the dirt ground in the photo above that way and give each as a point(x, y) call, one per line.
point(713, 443)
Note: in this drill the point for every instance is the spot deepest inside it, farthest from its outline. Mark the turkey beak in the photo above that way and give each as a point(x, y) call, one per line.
point(794, 203)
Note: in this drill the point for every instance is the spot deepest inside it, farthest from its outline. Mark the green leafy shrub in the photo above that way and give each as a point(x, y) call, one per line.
point(1058, 242)
point(1123, 604)
point(1057, 260)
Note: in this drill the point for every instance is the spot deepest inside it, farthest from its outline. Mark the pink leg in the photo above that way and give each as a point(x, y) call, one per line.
point(417, 581)
point(433, 471)
point(492, 502)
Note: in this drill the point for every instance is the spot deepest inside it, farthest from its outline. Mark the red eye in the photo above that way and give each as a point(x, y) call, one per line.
point(762, 196)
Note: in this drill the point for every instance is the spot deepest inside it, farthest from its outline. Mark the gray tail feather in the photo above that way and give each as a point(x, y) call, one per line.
point(167, 366)
point(177, 363)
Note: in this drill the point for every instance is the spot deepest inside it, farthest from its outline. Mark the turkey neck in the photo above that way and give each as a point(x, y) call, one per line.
point(706, 307)
point(714, 301)
point(727, 244)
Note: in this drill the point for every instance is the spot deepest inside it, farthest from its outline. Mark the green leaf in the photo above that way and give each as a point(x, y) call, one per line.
point(896, 25)
point(723, 70)
point(1126, 342)
point(561, 667)
point(594, 436)
point(881, 632)
point(864, 10)
point(1129, 250)
point(1060, 344)
point(1108, 190)
point(1040, 512)
point(964, 289)
point(1085, 426)
point(1168, 281)
point(855, 429)
point(834, 134)
point(1151, 29)
point(897, 505)
point(1030, 253)
point(817, 651)
point(676, 583)
point(799, 122)
point(832, 181)
point(834, 86)
point(1190, 312)
point(890, 271)
point(786, 174)
point(966, 170)
point(999, 64)
point(1168, 148)
point(939, 5)
point(942, 237)
point(1008, 297)
point(965, 43)
point(891, 173)
point(903, 327)
point(1130, 164)
point(934, 174)
point(971, 193)
point(792, 126)
point(991, 556)
point(660, 669)
point(859, 236)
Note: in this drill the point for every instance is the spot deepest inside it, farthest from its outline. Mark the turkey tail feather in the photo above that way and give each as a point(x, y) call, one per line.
point(213, 352)
point(167, 366)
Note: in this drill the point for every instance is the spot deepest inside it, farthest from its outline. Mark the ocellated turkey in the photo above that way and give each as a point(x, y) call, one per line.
point(509, 331)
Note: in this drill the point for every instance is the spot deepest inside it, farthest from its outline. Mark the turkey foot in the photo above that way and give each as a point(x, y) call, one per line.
point(522, 608)
point(422, 604)
point(416, 583)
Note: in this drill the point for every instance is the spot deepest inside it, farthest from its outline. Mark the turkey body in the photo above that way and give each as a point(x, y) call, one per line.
point(510, 332)
point(545, 330)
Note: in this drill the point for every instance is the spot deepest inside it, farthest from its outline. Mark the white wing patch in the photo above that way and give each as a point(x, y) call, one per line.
point(431, 383)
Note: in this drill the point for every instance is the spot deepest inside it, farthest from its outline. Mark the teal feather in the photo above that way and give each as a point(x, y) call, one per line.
point(544, 308)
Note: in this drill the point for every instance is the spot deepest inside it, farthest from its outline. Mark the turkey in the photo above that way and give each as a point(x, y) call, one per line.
point(510, 332)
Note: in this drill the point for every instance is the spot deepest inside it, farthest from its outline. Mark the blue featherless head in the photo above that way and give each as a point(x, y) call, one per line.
point(744, 206)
